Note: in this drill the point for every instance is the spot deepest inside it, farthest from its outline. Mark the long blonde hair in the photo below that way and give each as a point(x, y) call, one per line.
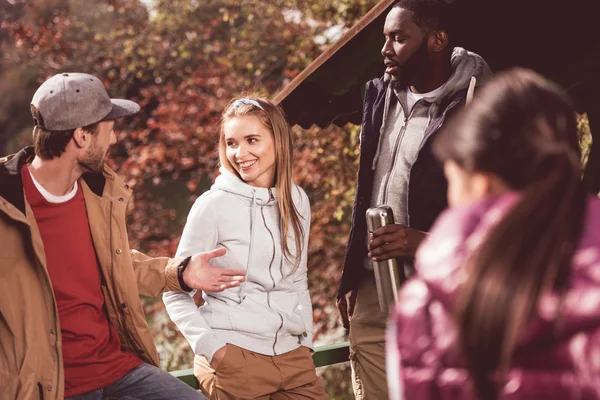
point(273, 118)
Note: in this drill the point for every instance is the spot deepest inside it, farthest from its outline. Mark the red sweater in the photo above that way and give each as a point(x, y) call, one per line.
point(92, 353)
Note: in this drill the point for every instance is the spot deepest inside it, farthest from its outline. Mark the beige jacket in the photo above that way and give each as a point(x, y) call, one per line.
point(31, 364)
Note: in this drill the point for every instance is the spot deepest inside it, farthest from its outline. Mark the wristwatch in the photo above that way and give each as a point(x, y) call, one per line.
point(180, 268)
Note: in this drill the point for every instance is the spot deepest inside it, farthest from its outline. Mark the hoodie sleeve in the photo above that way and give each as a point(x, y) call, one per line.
point(301, 276)
point(199, 235)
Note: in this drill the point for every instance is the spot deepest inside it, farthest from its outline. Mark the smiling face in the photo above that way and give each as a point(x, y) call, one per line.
point(250, 149)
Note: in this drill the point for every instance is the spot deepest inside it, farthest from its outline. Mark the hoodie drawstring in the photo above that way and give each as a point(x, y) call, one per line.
point(471, 90)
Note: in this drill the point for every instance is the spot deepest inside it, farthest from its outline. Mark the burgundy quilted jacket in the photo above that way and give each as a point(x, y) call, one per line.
point(423, 362)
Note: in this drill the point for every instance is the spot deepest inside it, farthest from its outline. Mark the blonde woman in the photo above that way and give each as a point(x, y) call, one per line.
point(255, 341)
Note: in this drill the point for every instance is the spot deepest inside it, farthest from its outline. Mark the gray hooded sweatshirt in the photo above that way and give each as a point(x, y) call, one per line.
point(270, 313)
point(403, 134)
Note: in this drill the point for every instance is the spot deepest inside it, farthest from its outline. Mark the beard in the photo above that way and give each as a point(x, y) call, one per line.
point(93, 160)
point(412, 71)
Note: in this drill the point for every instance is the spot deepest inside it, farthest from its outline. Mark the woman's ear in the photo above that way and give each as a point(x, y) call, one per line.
point(487, 184)
point(497, 186)
point(468, 187)
point(480, 185)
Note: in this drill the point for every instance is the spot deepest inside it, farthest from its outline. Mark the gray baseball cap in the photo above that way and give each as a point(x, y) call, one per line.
point(74, 100)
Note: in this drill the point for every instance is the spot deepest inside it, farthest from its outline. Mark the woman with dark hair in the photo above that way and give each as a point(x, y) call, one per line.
point(506, 300)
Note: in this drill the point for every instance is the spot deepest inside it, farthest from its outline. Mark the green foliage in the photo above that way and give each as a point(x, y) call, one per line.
point(182, 61)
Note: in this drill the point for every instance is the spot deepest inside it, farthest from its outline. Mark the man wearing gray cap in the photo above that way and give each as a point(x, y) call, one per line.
point(71, 322)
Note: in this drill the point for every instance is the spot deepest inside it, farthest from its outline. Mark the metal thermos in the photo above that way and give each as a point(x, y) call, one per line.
point(388, 274)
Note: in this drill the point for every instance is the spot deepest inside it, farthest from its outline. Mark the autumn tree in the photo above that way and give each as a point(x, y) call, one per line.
point(182, 61)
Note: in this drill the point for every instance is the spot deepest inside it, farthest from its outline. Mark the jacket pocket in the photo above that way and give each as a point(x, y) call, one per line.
point(25, 387)
point(233, 361)
point(218, 317)
point(252, 317)
point(286, 304)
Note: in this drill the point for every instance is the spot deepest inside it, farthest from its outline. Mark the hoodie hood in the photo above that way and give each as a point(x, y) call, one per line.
point(469, 71)
point(466, 65)
point(231, 183)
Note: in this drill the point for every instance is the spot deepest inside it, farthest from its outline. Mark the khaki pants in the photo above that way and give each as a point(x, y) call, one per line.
point(367, 345)
point(243, 374)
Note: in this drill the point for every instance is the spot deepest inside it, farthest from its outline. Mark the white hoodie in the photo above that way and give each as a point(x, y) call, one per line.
point(270, 313)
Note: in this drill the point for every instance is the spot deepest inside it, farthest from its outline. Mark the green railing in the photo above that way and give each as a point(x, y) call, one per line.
point(323, 356)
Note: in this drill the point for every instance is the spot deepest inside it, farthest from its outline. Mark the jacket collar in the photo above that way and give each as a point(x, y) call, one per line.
point(96, 181)
point(11, 184)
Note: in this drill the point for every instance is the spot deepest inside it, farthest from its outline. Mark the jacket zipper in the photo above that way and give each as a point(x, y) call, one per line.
point(262, 213)
point(395, 152)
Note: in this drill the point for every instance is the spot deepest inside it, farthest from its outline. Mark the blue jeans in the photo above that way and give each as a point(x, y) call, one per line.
point(145, 382)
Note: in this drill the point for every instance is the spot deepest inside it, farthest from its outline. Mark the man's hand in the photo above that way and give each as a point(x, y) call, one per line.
point(345, 306)
point(218, 357)
point(200, 274)
point(394, 240)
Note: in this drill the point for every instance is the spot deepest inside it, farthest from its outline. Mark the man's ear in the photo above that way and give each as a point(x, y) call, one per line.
point(80, 138)
point(439, 41)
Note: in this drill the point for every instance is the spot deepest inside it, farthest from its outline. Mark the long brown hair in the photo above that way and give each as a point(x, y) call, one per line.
point(522, 129)
point(273, 118)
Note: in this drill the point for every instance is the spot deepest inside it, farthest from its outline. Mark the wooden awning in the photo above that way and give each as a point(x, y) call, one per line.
point(556, 38)
point(329, 89)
